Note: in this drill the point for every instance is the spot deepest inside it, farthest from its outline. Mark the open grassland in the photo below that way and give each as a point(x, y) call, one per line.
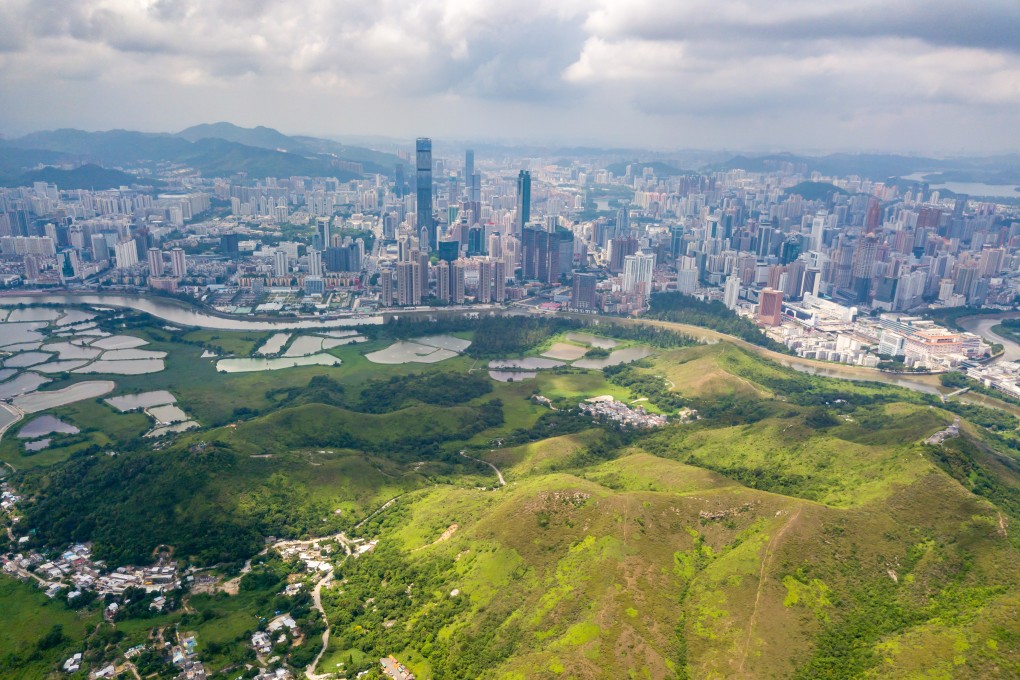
point(29, 619)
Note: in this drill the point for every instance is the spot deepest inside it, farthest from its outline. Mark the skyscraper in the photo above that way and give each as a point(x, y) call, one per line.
point(408, 283)
point(523, 199)
point(155, 262)
point(314, 262)
point(423, 148)
point(443, 281)
point(178, 263)
point(279, 264)
point(484, 282)
point(469, 172)
point(770, 307)
point(637, 274)
point(386, 282)
point(583, 297)
point(731, 292)
point(400, 182)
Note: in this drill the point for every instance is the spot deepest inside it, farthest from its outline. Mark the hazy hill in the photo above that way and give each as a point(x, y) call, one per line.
point(261, 137)
point(85, 177)
point(815, 191)
point(210, 156)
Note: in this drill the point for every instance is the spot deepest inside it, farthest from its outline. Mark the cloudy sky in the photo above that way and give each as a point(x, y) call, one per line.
point(903, 75)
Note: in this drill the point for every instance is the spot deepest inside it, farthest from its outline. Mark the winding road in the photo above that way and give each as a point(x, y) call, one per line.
point(502, 482)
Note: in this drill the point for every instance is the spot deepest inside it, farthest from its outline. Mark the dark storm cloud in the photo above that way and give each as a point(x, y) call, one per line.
point(987, 24)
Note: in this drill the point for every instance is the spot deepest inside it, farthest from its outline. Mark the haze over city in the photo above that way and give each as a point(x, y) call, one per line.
point(797, 75)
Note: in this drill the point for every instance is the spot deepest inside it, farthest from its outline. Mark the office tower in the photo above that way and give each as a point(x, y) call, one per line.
point(584, 298)
point(818, 230)
point(622, 222)
point(100, 249)
point(457, 282)
point(400, 182)
point(475, 207)
point(280, 264)
point(731, 292)
point(523, 199)
point(409, 283)
point(228, 245)
point(499, 280)
point(763, 244)
point(469, 172)
point(637, 274)
point(423, 148)
point(386, 282)
point(863, 264)
point(812, 281)
point(443, 281)
point(794, 286)
point(449, 250)
point(475, 241)
point(676, 241)
point(423, 271)
point(770, 307)
point(155, 256)
point(314, 262)
point(619, 248)
point(541, 257)
point(322, 231)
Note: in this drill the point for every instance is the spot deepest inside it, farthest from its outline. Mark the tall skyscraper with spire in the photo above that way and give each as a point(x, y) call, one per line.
point(523, 200)
point(423, 148)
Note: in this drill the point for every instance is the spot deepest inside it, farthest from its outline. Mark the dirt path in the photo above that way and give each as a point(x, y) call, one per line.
point(766, 562)
point(502, 482)
point(450, 531)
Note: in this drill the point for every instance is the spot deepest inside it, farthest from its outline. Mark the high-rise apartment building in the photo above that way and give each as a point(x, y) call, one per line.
point(155, 262)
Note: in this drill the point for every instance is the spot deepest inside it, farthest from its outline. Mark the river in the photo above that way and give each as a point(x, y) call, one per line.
point(970, 188)
point(179, 313)
point(983, 324)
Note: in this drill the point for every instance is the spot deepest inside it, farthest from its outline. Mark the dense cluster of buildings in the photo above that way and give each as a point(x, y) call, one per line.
point(608, 408)
point(497, 231)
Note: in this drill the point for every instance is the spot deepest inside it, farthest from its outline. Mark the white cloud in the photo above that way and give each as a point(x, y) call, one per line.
point(737, 72)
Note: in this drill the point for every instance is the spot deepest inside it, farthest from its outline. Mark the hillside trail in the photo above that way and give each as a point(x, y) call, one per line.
point(502, 482)
point(766, 562)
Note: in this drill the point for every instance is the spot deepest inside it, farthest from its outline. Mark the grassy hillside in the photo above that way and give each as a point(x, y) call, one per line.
point(800, 527)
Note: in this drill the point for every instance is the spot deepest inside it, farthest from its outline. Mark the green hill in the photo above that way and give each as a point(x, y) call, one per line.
point(210, 156)
point(86, 177)
point(261, 137)
point(799, 528)
point(815, 191)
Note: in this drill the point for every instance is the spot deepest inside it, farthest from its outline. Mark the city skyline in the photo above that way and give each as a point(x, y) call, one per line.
point(907, 76)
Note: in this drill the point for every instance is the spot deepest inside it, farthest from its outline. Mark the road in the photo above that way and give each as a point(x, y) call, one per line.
point(317, 602)
point(502, 482)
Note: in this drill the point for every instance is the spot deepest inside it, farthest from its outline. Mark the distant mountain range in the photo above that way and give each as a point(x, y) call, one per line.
point(214, 150)
point(224, 149)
